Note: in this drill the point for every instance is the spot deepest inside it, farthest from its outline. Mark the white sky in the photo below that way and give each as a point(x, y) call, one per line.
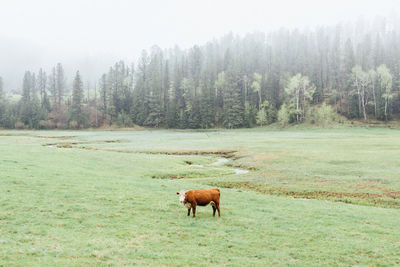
point(42, 32)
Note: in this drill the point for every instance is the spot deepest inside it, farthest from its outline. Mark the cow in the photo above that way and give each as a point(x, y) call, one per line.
point(202, 197)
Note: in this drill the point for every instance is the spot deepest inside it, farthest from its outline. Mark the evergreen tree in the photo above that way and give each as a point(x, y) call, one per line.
point(233, 106)
point(26, 100)
point(77, 117)
point(140, 106)
point(104, 97)
point(60, 83)
point(349, 62)
point(42, 87)
point(52, 80)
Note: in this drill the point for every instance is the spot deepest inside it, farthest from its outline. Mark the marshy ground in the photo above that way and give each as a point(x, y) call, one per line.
point(309, 197)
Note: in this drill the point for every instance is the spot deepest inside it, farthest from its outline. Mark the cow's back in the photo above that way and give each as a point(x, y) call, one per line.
point(203, 197)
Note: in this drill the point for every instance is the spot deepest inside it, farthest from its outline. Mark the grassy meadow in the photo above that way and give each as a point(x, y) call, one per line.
point(311, 197)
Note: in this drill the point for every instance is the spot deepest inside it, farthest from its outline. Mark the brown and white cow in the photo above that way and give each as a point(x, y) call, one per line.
point(202, 197)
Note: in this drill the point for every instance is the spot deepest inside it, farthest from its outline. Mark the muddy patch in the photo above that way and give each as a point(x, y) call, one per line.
point(112, 141)
point(65, 137)
point(76, 144)
point(383, 199)
point(241, 166)
point(190, 163)
point(223, 153)
point(16, 134)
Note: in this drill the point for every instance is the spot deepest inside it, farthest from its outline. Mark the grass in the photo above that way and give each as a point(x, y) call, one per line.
point(90, 198)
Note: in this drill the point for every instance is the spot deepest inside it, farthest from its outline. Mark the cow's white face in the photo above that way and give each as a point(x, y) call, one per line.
point(181, 195)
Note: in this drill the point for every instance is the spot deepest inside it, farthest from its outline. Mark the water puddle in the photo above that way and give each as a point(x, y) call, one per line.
point(240, 171)
point(222, 161)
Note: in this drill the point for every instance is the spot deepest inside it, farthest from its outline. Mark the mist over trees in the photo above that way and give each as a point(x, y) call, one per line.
point(287, 75)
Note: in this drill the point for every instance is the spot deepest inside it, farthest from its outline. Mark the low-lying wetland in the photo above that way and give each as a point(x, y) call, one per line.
point(109, 197)
point(225, 162)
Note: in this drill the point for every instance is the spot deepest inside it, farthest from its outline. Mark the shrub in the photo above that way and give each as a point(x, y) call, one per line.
point(123, 120)
point(283, 115)
point(8, 121)
point(267, 114)
point(323, 115)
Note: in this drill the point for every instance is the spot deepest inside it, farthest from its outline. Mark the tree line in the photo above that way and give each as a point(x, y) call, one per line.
point(232, 82)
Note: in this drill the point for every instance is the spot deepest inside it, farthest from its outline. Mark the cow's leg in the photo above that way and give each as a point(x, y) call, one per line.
point(219, 213)
point(214, 209)
point(194, 209)
point(189, 212)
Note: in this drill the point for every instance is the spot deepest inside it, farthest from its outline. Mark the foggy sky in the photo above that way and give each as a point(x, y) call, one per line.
point(90, 35)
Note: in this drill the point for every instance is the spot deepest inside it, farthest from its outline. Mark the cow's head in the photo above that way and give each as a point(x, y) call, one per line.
point(181, 195)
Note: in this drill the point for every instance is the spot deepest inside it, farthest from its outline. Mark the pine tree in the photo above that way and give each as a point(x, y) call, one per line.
point(104, 97)
point(77, 117)
point(154, 115)
point(349, 62)
point(139, 111)
point(166, 92)
point(25, 103)
point(60, 83)
point(233, 107)
point(42, 87)
point(52, 85)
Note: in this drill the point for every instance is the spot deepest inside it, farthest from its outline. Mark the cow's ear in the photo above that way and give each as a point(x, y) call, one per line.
point(177, 193)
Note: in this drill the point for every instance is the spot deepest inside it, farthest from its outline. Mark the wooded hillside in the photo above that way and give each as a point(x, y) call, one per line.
point(230, 82)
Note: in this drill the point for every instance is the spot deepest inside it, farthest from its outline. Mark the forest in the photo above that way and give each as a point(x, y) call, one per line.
point(285, 76)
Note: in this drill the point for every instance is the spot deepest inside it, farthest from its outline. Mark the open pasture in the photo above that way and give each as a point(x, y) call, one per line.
point(311, 197)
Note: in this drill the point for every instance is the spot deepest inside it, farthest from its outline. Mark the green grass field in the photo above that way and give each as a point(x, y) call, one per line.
point(108, 198)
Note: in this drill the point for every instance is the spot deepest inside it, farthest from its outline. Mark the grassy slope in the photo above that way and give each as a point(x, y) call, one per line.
point(91, 207)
